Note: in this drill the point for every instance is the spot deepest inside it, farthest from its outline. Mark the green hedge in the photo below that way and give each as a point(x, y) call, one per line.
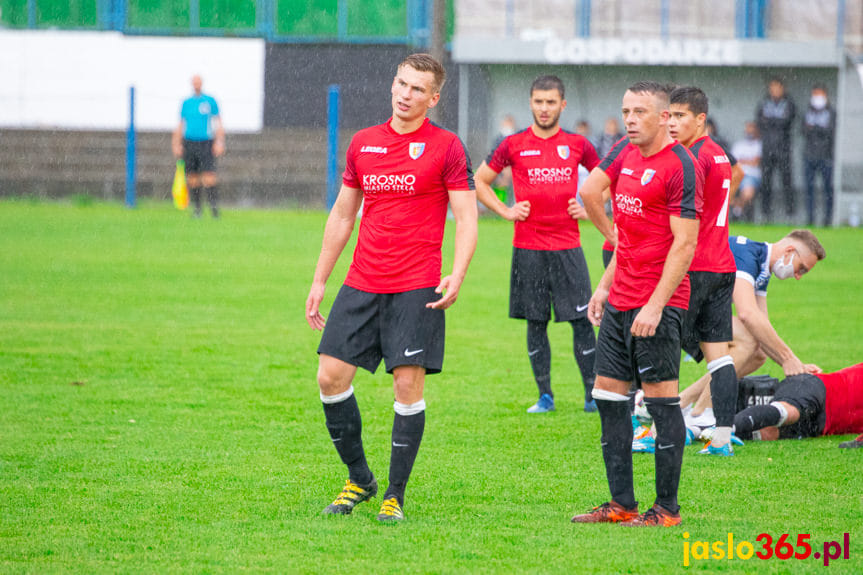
point(294, 18)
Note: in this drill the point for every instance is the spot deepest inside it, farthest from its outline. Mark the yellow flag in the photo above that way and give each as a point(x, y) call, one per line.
point(179, 189)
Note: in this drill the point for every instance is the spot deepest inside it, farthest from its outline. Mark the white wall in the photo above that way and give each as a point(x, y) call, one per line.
point(52, 79)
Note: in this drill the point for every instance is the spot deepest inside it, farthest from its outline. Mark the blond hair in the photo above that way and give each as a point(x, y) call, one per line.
point(427, 63)
point(809, 240)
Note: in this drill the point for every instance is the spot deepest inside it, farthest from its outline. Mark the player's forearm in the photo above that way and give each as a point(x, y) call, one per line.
point(676, 265)
point(765, 334)
point(466, 235)
point(592, 196)
point(336, 236)
point(608, 275)
point(485, 194)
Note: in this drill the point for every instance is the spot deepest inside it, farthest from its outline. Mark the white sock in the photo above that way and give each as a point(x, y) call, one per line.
point(721, 436)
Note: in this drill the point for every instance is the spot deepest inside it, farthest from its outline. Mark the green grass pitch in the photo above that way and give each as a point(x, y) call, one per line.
point(159, 414)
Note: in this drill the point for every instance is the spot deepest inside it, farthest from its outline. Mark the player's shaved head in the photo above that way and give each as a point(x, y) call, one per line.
point(427, 63)
point(657, 90)
point(548, 82)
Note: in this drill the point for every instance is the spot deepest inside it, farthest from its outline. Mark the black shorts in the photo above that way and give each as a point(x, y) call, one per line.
point(198, 156)
point(620, 355)
point(709, 315)
point(364, 328)
point(542, 279)
point(808, 394)
point(606, 257)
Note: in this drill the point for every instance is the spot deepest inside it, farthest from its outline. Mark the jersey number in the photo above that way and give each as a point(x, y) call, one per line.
point(722, 218)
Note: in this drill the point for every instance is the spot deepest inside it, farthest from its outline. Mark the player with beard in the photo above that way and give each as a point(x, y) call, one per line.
point(641, 299)
point(707, 326)
point(548, 265)
point(404, 172)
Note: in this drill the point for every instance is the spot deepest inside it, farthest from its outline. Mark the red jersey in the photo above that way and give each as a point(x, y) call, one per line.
point(404, 179)
point(843, 407)
point(545, 173)
point(713, 253)
point(645, 192)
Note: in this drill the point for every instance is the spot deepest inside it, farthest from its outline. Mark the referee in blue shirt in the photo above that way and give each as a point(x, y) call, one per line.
point(199, 139)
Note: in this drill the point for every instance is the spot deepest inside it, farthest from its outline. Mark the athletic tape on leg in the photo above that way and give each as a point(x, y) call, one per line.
point(608, 395)
point(720, 362)
point(410, 409)
point(783, 413)
point(339, 397)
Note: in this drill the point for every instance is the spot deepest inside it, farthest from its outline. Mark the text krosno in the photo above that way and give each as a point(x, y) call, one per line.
point(639, 51)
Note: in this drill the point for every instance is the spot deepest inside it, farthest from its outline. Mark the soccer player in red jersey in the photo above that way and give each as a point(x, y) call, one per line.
point(640, 301)
point(404, 173)
point(707, 324)
point(808, 405)
point(548, 266)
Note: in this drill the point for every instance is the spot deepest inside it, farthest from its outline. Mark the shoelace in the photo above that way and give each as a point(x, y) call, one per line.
point(390, 507)
point(349, 494)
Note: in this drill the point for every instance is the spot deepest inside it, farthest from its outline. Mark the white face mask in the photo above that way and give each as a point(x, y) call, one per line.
point(818, 102)
point(782, 270)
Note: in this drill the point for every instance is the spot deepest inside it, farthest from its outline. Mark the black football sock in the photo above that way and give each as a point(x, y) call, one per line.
point(616, 446)
point(345, 427)
point(213, 198)
point(196, 199)
point(723, 390)
point(754, 418)
point(406, 439)
point(584, 348)
point(670, 439)
point(539, 352)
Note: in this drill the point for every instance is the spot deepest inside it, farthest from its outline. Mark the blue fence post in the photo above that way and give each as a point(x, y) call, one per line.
point(130, 152)
point(584, 11)
point(664, 15)
point(31, 13)
point(332, 145)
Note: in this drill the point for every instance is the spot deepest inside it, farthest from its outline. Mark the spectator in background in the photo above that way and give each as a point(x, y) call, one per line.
point(748, 153)
point(713, 131)
point(199, 139)
point(610, 135)
point(775, 116)
point(819, 129)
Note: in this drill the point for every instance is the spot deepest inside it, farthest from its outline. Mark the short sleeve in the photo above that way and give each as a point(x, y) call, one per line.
point(589, 157)
point(457, 171)
point(499, 158)
point(349, 177)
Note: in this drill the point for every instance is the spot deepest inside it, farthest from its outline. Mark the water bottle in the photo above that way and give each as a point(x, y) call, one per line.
point(854, 215)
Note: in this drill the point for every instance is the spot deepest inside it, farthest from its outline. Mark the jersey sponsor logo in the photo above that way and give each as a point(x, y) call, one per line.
point(524, 153)
point(373, 149)
point(416, 149)
point(389, 182)
point(723, 159)
point(629, 205)
point(626, 171)
point(647, 176)
point(563, 152)
point(549, 175)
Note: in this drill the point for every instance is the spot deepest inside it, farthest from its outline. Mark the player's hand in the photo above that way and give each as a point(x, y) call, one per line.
point(646, 321)
point(449, 287)
point(313, 304)
point(218, 148)
point(793, 366)
point(812, 369)
point(519, 212)
point(575, 210)
point(596, 306)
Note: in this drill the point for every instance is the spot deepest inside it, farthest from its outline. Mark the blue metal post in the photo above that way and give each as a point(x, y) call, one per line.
point(342, 13)
point(130, 152)
point(31, 13)
point(332, 145)
point(664, 15)
point(510, 18)
point(194, 15)
point(584, 10)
